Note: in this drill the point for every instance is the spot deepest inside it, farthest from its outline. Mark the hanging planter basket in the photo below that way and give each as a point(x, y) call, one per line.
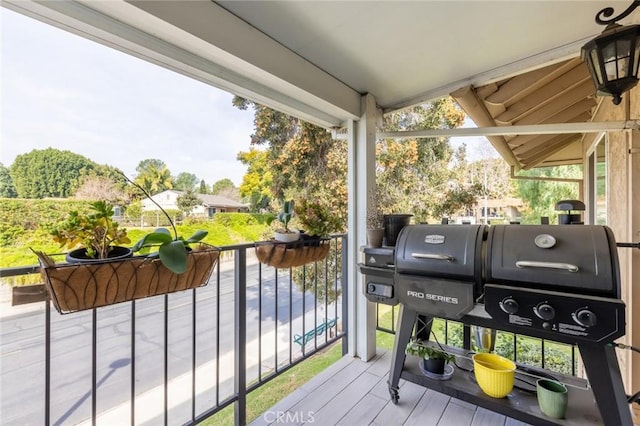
point(289, 255)
point(79, 286)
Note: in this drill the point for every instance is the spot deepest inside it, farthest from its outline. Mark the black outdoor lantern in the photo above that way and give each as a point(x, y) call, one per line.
point(613, 56)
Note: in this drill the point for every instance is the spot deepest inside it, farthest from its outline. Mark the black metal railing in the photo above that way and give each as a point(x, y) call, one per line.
point(173, 359)
point(526, 350)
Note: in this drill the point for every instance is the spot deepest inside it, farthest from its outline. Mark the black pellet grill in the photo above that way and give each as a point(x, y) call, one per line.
point(554, 282)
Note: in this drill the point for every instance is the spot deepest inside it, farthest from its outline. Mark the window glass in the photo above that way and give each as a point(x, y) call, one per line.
point(600, 184)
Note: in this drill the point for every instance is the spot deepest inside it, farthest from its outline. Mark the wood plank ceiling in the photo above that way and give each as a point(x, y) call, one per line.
point(559, 93)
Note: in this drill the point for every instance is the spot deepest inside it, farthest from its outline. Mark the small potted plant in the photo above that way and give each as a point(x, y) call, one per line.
point(168, 263)
point(94, 236)
point(284, 234)
point(316, 220)
point(172, 251)
point(310, 245)
point(434, 360)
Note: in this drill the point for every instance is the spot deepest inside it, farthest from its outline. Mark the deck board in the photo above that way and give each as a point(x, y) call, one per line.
point(352, 392)
point(456, 414)
point(364, 411)
point(429, 409)
point(345, 400)
point(393, 414)
point(484, 417)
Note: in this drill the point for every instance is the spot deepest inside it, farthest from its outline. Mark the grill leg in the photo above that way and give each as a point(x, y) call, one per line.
point(603, 370)
point(406, 320)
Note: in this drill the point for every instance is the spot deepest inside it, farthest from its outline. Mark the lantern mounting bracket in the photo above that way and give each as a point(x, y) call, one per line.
point(608, 11)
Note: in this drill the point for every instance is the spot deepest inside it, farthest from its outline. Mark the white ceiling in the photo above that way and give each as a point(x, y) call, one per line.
point(314, 59)
point(399, 50)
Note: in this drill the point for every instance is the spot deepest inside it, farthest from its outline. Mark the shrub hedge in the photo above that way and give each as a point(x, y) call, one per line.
point(26, 223)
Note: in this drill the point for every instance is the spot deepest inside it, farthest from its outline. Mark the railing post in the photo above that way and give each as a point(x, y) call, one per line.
point(344, 282)
point(240, 353)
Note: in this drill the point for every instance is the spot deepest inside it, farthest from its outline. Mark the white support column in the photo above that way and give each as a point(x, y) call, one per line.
point(360, 179)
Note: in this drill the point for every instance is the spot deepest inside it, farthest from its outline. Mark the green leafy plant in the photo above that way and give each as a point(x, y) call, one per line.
point(96, 231)
point(285, 216)
point(171, 248)
point(316, 218)
point(417, 348)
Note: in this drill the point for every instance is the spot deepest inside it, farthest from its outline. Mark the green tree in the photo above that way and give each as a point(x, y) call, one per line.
point(134, 210)
point(204, 189)
point(7, 190)
point(185, 181)
point(154, 176)
point(540, 197)
point(221, 186)
point(187, 201)
point(49, 173)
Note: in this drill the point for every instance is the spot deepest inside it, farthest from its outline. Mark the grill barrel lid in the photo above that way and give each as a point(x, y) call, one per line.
point(574, 258)
point(444, 251)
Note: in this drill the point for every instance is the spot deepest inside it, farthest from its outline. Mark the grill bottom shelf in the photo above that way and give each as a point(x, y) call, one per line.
point(519, 404)
point(606, 393)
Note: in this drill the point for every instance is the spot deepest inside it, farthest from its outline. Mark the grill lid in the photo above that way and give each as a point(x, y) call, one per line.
point(575, 258)
point(444, 251)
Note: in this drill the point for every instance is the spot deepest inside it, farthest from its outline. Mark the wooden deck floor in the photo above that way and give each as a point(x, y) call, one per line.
point(354, 393)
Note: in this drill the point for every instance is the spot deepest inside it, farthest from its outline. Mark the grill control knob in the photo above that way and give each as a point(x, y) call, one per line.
point(545, 311)
point(509, 305)
point(371, 289)
point(584, 317)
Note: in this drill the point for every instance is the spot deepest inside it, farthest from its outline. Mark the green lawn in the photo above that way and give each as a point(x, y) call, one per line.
point(266, 396)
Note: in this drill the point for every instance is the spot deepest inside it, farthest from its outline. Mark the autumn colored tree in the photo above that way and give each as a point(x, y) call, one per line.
point(256, 182)
point(413, 175)
point(299, 160)
point(96, 187)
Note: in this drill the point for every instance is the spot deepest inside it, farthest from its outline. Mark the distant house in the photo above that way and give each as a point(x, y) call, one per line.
point(211, 204)
point(506, 209)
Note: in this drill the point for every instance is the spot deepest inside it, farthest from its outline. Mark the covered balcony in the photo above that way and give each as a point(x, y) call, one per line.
point(515, 69)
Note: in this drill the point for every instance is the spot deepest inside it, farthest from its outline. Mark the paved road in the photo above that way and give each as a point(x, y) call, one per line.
point(22, 349)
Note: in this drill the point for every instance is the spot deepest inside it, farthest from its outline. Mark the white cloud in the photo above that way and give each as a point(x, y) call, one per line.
point(68, 93)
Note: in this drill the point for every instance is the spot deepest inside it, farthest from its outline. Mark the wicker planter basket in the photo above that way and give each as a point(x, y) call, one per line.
point(76, 287)
point(289, 255)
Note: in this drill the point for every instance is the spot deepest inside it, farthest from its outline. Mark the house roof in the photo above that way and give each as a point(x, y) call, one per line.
point(315, 59)
point(218, 201)
point(209, 200)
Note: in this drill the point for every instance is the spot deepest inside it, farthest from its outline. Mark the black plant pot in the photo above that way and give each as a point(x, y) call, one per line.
point(393, 224)
point(80, 255)
point(434, 365)
point(310, 240)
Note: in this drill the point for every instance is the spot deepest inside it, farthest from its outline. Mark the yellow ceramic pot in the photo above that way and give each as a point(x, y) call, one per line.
point(495, 374)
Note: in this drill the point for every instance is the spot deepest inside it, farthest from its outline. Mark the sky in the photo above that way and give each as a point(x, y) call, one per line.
point(62, 91)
